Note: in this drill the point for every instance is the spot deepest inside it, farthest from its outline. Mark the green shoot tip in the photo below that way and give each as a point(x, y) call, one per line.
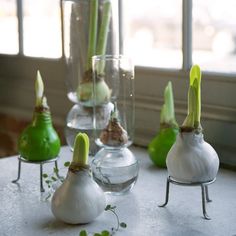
point(39, 89)
point(167, 112)
point(195, 73)
point(81, 149)
point(194, 99)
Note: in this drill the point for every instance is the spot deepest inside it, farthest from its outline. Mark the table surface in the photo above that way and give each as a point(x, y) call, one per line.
point(24, 210)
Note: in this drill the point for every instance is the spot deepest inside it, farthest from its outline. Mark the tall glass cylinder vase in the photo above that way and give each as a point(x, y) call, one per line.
point(114, 166)
point(90, 27)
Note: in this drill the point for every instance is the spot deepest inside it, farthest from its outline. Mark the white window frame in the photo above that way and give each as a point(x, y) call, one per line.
point(218, 92)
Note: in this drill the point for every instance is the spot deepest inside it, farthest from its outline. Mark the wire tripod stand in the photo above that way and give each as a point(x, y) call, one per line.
point(41, 163)
point(204, 192)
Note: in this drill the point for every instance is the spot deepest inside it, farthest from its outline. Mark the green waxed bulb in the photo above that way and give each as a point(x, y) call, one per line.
point(39, 141)
point(163, 141)
point(161, 144)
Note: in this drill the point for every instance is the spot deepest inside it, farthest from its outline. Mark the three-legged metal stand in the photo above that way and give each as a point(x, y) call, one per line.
point(204, 189)
point(41, 163)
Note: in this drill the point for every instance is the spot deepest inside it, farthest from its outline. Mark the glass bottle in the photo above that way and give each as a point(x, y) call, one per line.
point(90, 27)
point(114, 167)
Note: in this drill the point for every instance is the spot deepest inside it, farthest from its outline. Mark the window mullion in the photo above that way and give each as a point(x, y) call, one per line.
point(187, 34)
point(121, 26)
point(20, 25)
point(62, 30)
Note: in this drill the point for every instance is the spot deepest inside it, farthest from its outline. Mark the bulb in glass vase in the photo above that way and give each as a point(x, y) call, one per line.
point(90, 27)
point(114, 167)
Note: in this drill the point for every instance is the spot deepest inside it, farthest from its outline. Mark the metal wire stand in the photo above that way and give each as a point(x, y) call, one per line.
point(41, 163)
point(204, 190)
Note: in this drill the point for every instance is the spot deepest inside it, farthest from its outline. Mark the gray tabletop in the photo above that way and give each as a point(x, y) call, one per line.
point(24, 210)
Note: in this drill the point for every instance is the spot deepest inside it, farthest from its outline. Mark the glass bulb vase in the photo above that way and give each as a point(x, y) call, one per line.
point(114, 167)
point(115, 170)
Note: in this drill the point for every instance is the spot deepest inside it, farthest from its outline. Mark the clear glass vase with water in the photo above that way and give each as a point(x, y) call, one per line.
point(115, 168)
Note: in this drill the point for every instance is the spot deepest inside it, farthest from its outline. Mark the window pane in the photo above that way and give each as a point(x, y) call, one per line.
point(8, 27)
point(42, 28)
point(153, 33)
point(214, 35)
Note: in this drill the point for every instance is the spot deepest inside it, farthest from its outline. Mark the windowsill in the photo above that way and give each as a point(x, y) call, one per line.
point(25, 213)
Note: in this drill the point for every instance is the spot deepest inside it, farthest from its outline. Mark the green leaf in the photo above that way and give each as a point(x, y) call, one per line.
point(83, 233)
point(195, 81)
point(66, 164)
point(97, 234)
point(105, 233)
point(194, 99)
point(45, 175)
point(104, 28)
point(93, 20)
point(189, 120)
point(108, 207)
point(123, 225)
point(168, 112)
point(48, 181)
point(55, 170)
point(53, 178)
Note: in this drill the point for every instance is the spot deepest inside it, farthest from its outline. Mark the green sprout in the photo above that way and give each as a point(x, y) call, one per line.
point(97, 44)
point(97, 41)
point(39, 89)
point(81, 149)
point(92, 32)
point(167, 116)
point(193, 119)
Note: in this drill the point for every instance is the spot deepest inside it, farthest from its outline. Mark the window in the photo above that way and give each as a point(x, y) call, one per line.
point(38, 24)
point(9, 25)
point(42, 28)
point(214, 35)
point(155, 30)
point(163, 37)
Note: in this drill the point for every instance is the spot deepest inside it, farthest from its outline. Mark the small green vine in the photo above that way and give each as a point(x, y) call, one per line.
point(113, 230)
point(53, 178)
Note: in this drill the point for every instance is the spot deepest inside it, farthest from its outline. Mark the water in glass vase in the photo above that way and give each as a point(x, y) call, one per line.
point(71, 133)
point(115, 170)
point(80, 119)
point(115, 188)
